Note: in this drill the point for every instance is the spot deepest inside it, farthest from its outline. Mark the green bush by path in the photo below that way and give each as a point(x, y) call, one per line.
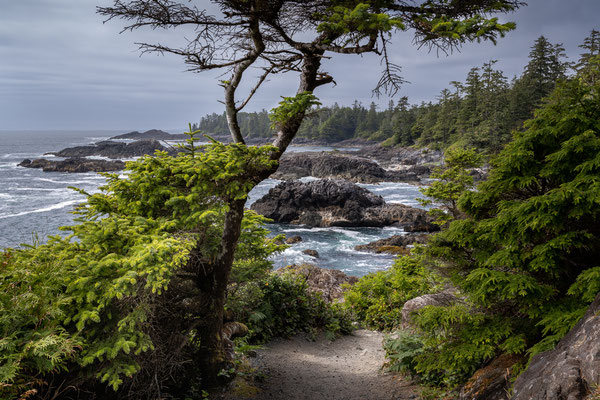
point(376, 300)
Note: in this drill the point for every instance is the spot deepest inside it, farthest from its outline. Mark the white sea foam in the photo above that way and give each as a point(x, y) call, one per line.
point(57, 206)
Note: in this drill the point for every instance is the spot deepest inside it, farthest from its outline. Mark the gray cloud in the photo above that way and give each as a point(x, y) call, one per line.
point(62, 68)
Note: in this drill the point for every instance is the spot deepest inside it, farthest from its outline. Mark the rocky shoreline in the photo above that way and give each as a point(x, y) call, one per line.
point(74, 165)
point(328, 203)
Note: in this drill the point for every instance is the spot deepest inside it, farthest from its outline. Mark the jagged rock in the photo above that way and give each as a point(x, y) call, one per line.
point(328, 165)
point(293, 239)
point(112, 149)
point(74, 165)
point(287, 201)
point(311, 252)
point(324, 203)
point(569, 371)
point(343, 166)
point(156, 134)
point(393, 244)
point(491, 382)
point(412, 156)
point(445, 299)
point(327, 282)
point(400, 155)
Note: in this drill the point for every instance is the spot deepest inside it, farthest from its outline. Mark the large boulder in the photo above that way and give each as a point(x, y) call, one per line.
point(327, 282)
point(74, 165)
point(324, 203)
point(112, 149)
point(571, 370)
point(443, 299)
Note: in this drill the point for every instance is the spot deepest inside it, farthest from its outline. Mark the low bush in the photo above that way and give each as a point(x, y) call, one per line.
point(376, 300)
point(283, 306)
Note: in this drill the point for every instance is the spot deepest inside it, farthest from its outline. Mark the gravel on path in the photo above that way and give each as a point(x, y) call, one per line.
point(348, 368)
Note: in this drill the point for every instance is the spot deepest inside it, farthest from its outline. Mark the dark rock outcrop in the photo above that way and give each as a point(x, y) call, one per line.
point(444, 299)
point(343, 166)
point(399, 155)
point(288, 201)
point(391, 244)
point(112, 149)
point(293, 239)
point(569, 371)
point(156, 134)
point(311, 252)
point(328, 165)
point(74, 165)
point(327, 282)
point(324, 203)
point(491, 382)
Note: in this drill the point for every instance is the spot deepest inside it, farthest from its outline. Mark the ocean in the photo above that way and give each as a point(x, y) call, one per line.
point(34, 204)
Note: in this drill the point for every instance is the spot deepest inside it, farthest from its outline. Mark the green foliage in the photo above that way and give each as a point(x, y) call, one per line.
point(344, 20)
point(292, 108)
point(99, 301)
point(32, 305)
point(282, 306)
point(526, 254)
point(376, 299)
point(401, 348)
point(450, 182)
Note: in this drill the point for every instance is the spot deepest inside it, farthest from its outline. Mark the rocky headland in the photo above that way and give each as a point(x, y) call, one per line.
point(326, 202)
point(155, 134)
point(74, 165)
point(114, 150)
point(346, 166)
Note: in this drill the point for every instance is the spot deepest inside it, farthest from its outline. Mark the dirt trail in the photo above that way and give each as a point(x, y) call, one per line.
point(347, 369)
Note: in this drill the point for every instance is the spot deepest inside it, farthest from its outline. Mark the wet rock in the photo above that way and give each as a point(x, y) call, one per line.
point(293, 240)
point(491, 382)
point(444, 299)
point(400, 155)
point(344, 166)
point(287, 201)
point(393, 244)
point(324, 203)
point(311, 252)
point(112, 149)
point(327, 282)
point(74, 165)
point(329, 165)
point(569, 371)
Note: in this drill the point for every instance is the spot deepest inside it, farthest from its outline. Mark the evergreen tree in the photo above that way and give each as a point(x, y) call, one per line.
point(526, 255)
point(544, 69)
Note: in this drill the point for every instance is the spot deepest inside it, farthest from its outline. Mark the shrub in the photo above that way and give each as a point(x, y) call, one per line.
point(376, 299)
point(282, 306)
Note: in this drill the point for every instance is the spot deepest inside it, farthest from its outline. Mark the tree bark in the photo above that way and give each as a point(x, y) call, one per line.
point(213, 284)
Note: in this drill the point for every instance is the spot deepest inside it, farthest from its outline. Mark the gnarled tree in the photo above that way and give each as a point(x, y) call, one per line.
point(291, 36)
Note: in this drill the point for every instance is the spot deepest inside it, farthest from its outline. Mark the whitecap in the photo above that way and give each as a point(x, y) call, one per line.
point(40, 210)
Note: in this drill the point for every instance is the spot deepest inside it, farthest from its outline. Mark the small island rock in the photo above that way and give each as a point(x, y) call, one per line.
point(324, 203)
point(74, 165)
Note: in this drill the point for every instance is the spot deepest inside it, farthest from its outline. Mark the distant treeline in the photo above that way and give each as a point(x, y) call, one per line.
point(482, 111)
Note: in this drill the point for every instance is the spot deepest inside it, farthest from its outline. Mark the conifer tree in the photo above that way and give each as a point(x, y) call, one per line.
point(526, 255)
point(290, 36)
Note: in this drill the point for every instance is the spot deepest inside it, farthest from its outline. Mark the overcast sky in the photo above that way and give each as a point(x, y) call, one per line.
point(62, 68)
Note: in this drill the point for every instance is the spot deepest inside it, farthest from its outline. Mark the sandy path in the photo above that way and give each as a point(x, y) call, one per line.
point(347, 369)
